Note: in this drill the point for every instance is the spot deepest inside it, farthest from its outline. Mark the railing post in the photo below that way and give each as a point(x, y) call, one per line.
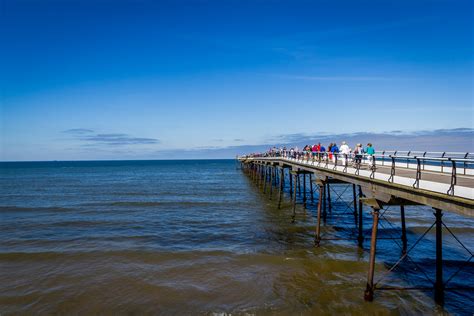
point(465, 164)
point(442, 164)
point(392, 170)
point(345, 163)
point(453, 177)
point(416, 185)
point(373, 167)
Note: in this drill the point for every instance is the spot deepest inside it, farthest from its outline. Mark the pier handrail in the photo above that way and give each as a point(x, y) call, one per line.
point(444, 165)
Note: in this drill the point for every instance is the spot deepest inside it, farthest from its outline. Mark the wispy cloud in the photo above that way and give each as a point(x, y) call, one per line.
point(78, 131)
point(451, 140)
point(119, 139)
point(111, 139)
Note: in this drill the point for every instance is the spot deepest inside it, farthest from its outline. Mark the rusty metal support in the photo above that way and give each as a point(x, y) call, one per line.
point(354, 196)
point(265, 179)
point(404, 229)
point(317, 239)
point(304, 190)
point(360, 237)
point(283, 177)
point(294, 200)
point(439, 285)
point(291, 183)
point(299, 185)
point(369, 290)
point(324, 203)
point(311, 186)
point(280, 193)
point(271, 181)
point(329, 197)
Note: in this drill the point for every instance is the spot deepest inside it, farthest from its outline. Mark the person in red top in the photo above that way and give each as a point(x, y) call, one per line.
point(318, 147)
point(317, 150)
point(314, 150)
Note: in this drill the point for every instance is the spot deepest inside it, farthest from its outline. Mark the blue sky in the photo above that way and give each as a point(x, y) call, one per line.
point(136, 79)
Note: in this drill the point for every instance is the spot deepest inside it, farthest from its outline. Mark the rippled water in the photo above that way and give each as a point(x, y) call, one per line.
point(198, 237)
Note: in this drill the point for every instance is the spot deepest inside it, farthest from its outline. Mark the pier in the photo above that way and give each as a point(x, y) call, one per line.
point(442, 181)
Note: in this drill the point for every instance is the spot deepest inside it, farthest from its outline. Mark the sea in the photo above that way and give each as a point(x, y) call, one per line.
point(200, 237)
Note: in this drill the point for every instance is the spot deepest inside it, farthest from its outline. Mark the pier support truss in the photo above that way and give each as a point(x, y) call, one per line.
point(334, 191)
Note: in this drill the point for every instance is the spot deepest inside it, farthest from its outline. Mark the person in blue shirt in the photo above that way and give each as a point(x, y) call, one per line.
point(334, 151)
point(370, 151)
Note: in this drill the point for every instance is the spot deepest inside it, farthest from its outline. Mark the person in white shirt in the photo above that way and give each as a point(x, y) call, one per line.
point(345, 151)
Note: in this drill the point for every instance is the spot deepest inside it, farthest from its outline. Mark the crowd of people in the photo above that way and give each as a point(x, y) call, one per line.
point(317, 151)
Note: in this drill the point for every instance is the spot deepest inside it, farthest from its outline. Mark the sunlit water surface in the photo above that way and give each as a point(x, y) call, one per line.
point(199, 237)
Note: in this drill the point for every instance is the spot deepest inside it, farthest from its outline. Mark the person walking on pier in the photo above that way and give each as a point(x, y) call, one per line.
point(334, 151)
point(370, 151)
point(345, 151)
point(321, 151)
point(314, 151)
point(358, 152)
point(330, 151)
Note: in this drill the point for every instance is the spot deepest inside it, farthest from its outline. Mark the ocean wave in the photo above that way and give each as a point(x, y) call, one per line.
point(35, 209)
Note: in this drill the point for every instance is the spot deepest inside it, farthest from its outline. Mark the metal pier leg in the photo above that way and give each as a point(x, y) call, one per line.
point(271, 182)
point(360, 237)
point(404, 229)
point(291, 183)
point(369, 290)
point(329, 198)
point(299, 185)
point(265, 180)
point(317, 239)
point(355, 202)
point(324, 203)
point(280, 193)
point(283, 177)
point(257, 175)
point(439, 286)
point(294, 201)
point(304, 190)
point(311, 187)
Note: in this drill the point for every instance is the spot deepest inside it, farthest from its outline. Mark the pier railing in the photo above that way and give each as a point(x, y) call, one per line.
point(391, 164)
